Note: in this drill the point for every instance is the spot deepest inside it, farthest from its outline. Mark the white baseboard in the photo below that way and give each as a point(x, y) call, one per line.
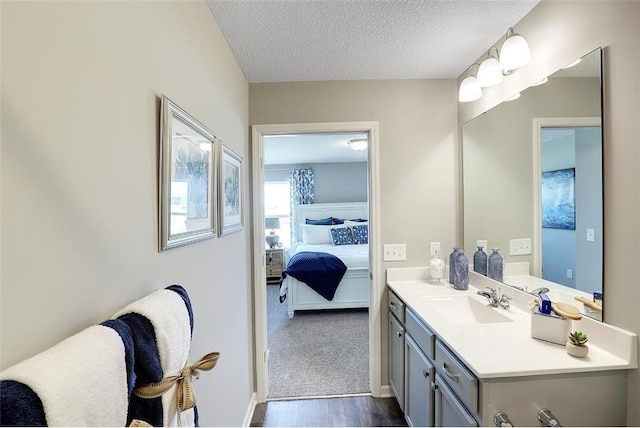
point(250, 409)
point(385, 391)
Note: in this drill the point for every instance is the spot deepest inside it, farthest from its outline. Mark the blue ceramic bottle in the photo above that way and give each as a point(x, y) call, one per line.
point(495, 265)
point(480, 261)
point(461, 271)
point(452, 262)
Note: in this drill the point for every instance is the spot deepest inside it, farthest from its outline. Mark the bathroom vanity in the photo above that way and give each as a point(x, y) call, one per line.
point(454, 360)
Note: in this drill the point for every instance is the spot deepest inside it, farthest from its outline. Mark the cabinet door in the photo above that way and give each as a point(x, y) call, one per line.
point(419, 394)
point(396, 359)
point(449, 412)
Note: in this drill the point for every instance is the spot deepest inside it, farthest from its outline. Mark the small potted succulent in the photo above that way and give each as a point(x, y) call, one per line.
point(576, 345)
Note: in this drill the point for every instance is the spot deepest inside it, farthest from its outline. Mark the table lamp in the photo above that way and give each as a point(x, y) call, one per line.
point(272, 223)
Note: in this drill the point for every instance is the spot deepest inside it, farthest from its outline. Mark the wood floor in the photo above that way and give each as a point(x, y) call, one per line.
point(359, 411)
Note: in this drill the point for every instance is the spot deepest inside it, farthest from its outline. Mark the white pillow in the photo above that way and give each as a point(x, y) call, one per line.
point(315, 234)
point(356, 223)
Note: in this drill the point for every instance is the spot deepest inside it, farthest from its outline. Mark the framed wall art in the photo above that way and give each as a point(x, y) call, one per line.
point(558, 199)
point(187, 178)
point(230, 192)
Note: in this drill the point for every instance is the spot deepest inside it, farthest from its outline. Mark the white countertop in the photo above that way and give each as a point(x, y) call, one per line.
point(506, 349)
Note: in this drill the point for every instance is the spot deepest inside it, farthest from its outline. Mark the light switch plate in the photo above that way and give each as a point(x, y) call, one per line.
point(395, 252)
point(520, 247)
point(434, 249)
point(591, 235)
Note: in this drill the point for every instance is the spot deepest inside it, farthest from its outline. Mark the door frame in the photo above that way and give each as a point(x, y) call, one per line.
point(261, 356)
point(538, 124)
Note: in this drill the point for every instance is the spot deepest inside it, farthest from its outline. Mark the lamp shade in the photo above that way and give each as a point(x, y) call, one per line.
point(515, 52)
point(469, 90)
point(272, 223)
point(489, 73)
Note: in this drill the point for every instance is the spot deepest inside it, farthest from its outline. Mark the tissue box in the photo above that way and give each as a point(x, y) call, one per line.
point(549, 327)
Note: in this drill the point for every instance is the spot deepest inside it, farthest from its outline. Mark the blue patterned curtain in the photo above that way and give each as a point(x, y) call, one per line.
point(301, 185)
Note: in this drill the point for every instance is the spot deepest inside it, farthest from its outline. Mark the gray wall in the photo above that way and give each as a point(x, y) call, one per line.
point(559, 32)
point(558, 245)
point(334, 182)
point(417, 156)
point(80, 115)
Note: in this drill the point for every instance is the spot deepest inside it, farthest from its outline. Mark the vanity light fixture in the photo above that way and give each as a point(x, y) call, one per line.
point(513, 97)
point(515, 52)
point(541, 82)
point(489, 72)
point(358, 144)
point(470, 89)
point(574, 63)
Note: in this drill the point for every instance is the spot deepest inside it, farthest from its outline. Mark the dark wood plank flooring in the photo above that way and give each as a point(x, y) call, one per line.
point(358, 411)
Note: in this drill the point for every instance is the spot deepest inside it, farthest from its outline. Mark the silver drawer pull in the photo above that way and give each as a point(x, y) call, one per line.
point(451, 376)
point(392, 305)
point(425, 373)
point(398, 334)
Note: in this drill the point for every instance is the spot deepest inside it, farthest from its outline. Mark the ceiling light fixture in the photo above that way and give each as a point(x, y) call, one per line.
point(489, 72)
point(358, 144)
point(470, 89)
point(515, 52)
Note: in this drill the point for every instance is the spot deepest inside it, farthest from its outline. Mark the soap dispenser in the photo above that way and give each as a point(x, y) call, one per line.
point(436, 268)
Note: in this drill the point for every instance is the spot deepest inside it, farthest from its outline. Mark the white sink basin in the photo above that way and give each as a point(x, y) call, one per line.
point(465, 310)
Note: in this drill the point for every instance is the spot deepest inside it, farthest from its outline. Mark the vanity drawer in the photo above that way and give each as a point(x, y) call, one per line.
point(396, 306)
point(461, 381)
point(421, 334)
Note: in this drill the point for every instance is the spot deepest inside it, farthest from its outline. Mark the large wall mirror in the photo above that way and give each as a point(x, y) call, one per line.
point(532, 170)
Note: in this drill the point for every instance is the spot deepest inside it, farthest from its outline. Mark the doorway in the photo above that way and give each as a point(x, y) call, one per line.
point(259, 132)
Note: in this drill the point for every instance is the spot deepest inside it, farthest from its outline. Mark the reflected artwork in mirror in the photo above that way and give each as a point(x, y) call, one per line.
point(533, 185)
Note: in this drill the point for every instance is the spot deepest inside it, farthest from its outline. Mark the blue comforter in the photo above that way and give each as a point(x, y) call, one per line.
point(320, 271)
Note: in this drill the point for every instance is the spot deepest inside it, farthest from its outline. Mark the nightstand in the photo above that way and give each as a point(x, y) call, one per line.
point(274, 264)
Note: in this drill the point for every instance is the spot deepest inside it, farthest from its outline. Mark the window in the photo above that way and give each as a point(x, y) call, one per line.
point(277, 204)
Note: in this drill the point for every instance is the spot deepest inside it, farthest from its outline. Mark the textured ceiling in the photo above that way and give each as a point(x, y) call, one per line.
point(310, 40)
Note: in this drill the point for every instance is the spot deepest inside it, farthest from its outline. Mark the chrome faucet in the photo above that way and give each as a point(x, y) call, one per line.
point(540, 290)
point(495, 299)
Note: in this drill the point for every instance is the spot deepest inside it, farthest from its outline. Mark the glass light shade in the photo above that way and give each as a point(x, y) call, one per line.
point(515, 53)
point(469, 90)
point(489, 73)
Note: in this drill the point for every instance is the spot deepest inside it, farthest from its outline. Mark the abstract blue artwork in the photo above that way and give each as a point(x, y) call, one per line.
point(558, 200)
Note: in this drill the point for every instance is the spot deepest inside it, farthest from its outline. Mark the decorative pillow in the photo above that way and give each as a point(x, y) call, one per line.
point(337, 220)
point(360, 234)
point(341, 236)
point(315, 234)
point(323, 221)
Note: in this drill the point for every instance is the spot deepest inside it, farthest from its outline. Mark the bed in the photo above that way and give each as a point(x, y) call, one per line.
point(353, 289)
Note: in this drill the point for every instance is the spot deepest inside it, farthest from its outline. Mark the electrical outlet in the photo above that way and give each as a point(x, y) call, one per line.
point(569, 273)
point(520, 247)
point(591, 235)
point(484, 244)
point(395, 252)
point(434, 249)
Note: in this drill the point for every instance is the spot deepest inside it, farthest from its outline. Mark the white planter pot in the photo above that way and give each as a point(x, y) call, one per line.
point(577, 351)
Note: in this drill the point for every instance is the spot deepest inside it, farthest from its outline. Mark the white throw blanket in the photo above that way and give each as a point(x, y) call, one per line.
point(169, 316)
point(81, 381)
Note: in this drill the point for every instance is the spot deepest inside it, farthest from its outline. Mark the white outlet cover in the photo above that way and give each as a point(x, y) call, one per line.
point(484, 244)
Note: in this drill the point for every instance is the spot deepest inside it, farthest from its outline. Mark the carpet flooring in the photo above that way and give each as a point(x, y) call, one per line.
point(316, 353)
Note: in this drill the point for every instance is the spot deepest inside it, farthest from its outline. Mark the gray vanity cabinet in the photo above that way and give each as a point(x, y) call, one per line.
point(419, 378)
point(396, 348)
point(449, 412)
